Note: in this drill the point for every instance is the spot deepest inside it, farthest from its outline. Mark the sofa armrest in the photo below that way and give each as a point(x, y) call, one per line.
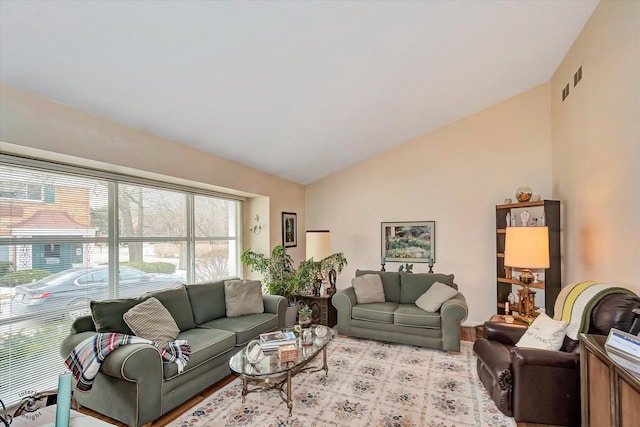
point(452, 312)
point(83, 324)
point(276, 304)
point(343, 301)
point(506, 333)
point(72, 340)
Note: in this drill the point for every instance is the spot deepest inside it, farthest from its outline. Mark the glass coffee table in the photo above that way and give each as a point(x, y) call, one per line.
point(270, 372)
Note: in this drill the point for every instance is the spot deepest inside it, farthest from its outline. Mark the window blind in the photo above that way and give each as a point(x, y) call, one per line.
point(67, 239)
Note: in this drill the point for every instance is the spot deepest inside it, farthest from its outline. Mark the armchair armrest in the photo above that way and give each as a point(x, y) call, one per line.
point(546, 386)
point(524, 356)
point(506, 333)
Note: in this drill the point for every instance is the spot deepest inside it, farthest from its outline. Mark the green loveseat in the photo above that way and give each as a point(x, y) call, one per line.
point(134, 386)
point(398, 319)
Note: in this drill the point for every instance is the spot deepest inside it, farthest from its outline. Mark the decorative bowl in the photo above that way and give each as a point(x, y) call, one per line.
point(523, 194)
point(321, 331)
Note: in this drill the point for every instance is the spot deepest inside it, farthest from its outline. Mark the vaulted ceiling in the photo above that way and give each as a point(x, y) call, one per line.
point(297, 89)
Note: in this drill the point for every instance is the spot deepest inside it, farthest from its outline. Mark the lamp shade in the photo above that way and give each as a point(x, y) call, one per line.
point(318, 244)
point(526, 247)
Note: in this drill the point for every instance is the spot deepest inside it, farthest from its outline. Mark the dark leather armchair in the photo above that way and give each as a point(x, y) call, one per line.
point(543, 386)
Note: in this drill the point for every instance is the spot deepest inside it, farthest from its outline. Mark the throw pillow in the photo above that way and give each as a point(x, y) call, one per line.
point(544, 333)
point(243, 297)
point(107, 314)
point(152, 321)
point(433, 298)
point(368, 288)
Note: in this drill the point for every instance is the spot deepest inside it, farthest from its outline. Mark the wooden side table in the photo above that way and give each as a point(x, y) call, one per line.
point(322, 311)
point(498, 318)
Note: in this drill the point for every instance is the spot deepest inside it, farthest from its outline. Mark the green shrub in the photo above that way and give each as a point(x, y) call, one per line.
point(151, 267)
point(21, 277)
point(5, 267)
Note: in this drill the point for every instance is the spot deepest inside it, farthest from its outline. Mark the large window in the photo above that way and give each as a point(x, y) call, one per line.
point(69, 236)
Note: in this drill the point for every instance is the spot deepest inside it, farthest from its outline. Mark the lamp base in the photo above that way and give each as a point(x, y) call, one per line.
point(527, 304)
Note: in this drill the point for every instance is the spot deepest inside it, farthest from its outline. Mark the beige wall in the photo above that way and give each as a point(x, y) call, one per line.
point(455, 176)
point(38, 127)
point(596, 148)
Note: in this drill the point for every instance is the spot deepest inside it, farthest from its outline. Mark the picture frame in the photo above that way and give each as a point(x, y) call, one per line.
point(408, 242)
point(289, 229)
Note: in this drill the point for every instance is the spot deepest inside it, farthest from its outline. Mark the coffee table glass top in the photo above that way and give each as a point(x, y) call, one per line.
point(270, 364)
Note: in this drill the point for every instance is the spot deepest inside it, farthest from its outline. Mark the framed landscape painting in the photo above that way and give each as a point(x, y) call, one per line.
point(409, 241)
point(289, 229)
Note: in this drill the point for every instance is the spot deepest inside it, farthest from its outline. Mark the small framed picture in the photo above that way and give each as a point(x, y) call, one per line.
point(289, 229)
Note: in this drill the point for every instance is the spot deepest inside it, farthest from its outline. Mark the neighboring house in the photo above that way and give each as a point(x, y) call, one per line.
point(30, 210)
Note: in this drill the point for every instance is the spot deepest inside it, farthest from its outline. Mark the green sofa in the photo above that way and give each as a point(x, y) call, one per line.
point(134, 386)
point(398, 319)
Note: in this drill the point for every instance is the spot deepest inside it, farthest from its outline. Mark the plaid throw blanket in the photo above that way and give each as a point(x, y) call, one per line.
point(86, 358)
point(575, 302)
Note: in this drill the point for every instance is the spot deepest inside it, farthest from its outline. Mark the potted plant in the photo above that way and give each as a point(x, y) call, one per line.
point(304, 316)
point(279, 275)
point(323, 270)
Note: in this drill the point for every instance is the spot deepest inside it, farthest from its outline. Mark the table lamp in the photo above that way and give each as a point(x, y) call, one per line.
point(526, 248)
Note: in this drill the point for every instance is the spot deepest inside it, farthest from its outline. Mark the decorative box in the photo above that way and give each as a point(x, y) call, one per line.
point(288, 352)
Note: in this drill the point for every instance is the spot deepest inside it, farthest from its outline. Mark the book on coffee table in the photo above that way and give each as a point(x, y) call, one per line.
point(271, 340)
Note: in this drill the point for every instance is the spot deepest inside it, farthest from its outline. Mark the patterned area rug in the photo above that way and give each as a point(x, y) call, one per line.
point(369, 383)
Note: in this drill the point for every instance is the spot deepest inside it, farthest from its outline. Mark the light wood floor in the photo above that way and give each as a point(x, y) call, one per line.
point(467, 334)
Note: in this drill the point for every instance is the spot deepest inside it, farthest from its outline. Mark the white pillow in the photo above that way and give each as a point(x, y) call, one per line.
point(437, 294)
point(368, 288)
point(544, 333)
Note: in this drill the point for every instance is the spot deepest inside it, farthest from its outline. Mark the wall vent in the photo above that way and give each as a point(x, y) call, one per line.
point(565, 92)
point(577, 76)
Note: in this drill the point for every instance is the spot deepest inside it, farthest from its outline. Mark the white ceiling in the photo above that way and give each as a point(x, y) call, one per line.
point(297, 89)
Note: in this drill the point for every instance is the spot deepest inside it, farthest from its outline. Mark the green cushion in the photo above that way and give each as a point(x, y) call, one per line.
point(381, 312)
point(413, 285)
point(205, 344)
point(245, 327)
point(390, 283)
point(107, 314)
point(410, 315)
point(177, 302)
point(207, 301)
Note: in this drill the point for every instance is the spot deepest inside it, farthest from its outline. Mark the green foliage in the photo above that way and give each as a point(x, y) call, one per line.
point(278, 273)
point(5, 267)
point(151, 267)
point(21, 277)
point(304, 312)
point(281, 278)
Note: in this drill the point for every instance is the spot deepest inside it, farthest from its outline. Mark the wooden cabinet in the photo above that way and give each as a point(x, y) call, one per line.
point(542, 212)
point(610, 395)
point(322, 311)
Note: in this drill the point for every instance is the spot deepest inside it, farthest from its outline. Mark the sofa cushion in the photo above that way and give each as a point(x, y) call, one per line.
point(544, 333)
point(368, 288)
point(412, 285)
point(246, 327)
point(107, 314)
point(243, 297)
point(205, 344)
point(377, 312)
point(207, 301)
point(152, 321)
point(177, 302)
point(411, 315)
point(435, 296)
point(390, 283)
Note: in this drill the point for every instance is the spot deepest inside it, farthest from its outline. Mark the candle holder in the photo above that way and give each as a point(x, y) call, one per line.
point(430, 265)
point(382, 262)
